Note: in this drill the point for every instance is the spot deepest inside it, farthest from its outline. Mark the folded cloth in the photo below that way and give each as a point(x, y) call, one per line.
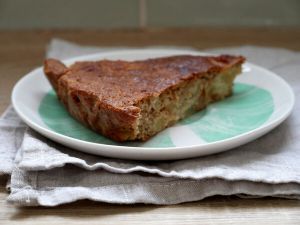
point(48, 174)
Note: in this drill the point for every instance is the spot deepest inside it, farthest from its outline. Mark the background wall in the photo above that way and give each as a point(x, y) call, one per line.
point(24, 14)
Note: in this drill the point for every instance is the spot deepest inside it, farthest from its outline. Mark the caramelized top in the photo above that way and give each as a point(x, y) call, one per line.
point(123, 83)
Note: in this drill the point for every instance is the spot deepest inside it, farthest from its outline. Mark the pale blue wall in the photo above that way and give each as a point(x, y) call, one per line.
point(16, 14)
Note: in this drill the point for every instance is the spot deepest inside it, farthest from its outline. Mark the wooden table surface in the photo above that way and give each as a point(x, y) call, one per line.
point(21, 51)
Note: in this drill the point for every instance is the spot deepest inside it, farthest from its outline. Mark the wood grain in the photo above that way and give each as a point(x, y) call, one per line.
point(21, 51)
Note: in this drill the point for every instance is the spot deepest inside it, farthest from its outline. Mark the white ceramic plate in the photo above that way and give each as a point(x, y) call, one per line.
point(260, 102)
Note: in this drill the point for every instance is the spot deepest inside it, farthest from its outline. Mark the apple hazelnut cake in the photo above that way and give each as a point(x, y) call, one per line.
point(134, 100)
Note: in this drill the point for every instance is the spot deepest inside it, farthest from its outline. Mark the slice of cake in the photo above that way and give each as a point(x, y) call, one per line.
point(135, 100)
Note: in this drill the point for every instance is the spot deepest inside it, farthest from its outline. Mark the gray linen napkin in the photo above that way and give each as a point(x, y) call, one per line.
point(48, 174)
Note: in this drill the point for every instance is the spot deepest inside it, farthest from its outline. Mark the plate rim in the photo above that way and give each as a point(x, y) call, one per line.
point(151, 151)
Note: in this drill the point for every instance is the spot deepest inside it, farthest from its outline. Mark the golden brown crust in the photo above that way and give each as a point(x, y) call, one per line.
point(54, 69)
point(105, 94)
point(122, 83)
